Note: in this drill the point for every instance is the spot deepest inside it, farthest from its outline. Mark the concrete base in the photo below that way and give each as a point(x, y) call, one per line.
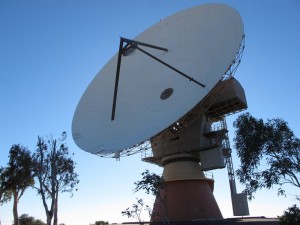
point(185, 200)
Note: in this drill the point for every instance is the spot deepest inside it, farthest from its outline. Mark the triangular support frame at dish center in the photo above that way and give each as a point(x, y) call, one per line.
point(131, 45)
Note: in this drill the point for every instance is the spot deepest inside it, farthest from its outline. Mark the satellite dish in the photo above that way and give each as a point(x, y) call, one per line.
point(200, 42)
point(167, 87)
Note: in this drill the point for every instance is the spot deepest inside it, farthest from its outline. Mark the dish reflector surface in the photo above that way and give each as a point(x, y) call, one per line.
point(202, 42)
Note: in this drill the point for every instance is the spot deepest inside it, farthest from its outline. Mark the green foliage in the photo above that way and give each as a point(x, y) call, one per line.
point(5, 195)
point(136, 209)
point(291, 216)
point(24, 219)
point(54, 166)
point(269, 153)
point(18, 175)
point(55, 173)
point(101, 222)
point(149, 183)
point(19, 171)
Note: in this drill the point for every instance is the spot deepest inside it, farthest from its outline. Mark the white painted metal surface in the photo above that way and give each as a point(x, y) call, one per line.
point(202, 42)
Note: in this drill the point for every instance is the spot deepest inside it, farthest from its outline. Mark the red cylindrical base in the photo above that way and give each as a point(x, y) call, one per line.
point(185, 200)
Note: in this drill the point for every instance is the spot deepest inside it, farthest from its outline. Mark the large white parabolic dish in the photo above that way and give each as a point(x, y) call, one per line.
point(202, 42)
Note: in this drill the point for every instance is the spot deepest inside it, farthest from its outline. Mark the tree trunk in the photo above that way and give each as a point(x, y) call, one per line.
point(15, 208)
point(55, 220)
point(48, 212)
point(48, 219)
point(54, 194)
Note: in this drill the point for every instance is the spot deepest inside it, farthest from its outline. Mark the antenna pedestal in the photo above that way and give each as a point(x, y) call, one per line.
point(185, 195)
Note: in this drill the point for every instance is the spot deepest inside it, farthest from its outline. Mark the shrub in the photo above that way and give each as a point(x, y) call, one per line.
point(291, 216)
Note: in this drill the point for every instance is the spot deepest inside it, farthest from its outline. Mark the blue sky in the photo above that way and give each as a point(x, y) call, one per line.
point(51, 50)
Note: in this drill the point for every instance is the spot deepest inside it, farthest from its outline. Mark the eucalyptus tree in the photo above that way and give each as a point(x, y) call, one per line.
point(150, 183)
point(5, 195)
point(17, 176)
point(269, 153)
point(55, 173)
